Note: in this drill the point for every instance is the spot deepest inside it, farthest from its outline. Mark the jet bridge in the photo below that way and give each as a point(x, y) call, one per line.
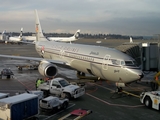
point(150, 56)
point(146, 54)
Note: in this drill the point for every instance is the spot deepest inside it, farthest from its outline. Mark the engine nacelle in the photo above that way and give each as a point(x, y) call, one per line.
point(47, 69)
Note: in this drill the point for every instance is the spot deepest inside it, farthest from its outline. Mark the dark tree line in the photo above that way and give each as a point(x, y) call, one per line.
point(82, 35)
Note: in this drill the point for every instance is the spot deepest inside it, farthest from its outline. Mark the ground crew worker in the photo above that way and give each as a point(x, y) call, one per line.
point(38, 83)
point(42, 81)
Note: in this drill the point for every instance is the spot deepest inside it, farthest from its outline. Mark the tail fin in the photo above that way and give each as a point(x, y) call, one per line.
point(76, 35)
point(131, 41)
point(39, 33)
point(3, 32)
point(21, 34)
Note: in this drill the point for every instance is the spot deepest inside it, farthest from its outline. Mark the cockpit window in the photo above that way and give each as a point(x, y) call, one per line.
point(116, 62)
point(130, 63)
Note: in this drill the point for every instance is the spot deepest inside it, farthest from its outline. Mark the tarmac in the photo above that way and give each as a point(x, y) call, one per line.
point(100, 96)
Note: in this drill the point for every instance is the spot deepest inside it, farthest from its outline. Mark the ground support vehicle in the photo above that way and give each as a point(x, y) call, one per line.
point(6, 72)
point(19, 107)
point(53, 103)
point(4, 95)
point(151, 99)
point(76, 114)
point(29, 67)
point(36, 92)
point(61, 87)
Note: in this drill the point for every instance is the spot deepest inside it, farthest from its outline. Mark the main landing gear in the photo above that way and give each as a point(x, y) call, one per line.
point(80, 73)
point(119, 89)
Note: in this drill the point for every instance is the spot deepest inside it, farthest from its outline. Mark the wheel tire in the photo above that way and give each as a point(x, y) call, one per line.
point(46, 93)
point(68, 95)
point(65, 105)
point(8, 76)
point(148, 102)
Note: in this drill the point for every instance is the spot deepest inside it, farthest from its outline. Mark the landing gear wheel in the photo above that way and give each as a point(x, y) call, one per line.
point(67, 95)
point(8, 76)
point(119, 89)
point(65, 105)
point(80, 73)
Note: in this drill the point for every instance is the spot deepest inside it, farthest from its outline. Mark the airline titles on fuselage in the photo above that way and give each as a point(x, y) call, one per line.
point(94, 53)
point(66, 51)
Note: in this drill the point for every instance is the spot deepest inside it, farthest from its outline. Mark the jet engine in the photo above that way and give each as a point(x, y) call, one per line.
point(47, 69)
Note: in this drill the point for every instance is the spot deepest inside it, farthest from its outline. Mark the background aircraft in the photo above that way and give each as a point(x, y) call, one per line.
point(66, 39)
point(57, 39)
point(15, 39)
point(32, 39)
point(106, 63)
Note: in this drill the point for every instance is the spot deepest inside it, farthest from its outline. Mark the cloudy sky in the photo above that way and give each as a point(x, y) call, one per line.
point(126, 17)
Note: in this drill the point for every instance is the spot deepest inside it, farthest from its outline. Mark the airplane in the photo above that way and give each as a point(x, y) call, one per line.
point(105, 63)
point(66, 39)
point(57, 39)
point(15, 39)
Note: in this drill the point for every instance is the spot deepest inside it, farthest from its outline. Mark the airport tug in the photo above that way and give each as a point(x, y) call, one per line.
point(151, 99)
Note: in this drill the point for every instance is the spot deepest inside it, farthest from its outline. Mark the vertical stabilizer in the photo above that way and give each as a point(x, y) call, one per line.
point(131, 41)
point(4, 32)
point(39, 33)
point(21, 34)
point(76, 35)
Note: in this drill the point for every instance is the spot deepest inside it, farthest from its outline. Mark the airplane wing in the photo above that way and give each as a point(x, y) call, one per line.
point(33, 59)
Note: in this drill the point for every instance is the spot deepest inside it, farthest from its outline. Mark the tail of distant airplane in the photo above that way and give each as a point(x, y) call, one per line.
point(39, 33)
point(21, 34)
point(76, 35)
point(3, 32)
point(131, 41)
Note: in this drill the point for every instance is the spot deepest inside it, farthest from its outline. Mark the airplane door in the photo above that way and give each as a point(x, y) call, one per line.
point(105, 62)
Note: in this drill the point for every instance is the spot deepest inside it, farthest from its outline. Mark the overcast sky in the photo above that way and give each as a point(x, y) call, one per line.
point(126, 17)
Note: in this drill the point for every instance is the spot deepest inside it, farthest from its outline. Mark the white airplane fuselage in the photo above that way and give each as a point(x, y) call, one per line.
point(14, 39)
point(62, 39)
point(96, 60)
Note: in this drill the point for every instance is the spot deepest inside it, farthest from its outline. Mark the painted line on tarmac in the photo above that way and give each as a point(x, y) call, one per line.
point(28, 87)
point(111, 104)
point(24, 85)
point(59, 112)
point(105, 87)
